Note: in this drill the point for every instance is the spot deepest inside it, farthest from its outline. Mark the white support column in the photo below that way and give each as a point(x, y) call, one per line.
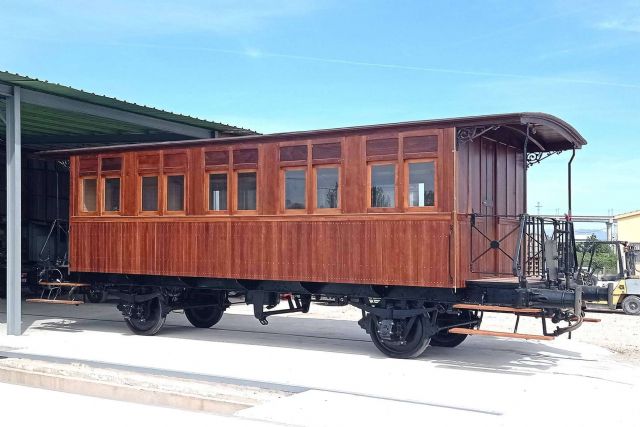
point(14, 215)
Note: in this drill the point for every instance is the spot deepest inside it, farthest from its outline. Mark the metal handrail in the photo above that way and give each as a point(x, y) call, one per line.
point(530, 253)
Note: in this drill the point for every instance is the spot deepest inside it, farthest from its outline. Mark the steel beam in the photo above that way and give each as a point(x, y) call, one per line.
point(65, 104)
point(5, 90)
point(14, 214)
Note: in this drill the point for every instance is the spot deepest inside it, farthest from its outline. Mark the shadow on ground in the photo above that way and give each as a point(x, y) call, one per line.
point(484, 354)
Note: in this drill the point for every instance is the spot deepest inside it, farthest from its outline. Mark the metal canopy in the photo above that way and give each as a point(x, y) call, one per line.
point(56, 116)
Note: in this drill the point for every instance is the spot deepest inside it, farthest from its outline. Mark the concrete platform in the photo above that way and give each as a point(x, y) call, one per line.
point(337, 377)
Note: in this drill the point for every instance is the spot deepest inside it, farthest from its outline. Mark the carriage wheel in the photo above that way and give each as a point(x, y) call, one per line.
point(147, 318)
point(400, 338)
point(96, 296)
point(444, 338)
point(204, 317)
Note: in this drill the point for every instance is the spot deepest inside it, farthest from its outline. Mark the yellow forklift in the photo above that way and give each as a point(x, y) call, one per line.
point(614, 265)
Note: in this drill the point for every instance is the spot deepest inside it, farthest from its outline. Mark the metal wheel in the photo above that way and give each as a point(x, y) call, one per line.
point(444, 338)
point(147, 317)
point(204, 317)
point(96, 296)
point(631, 305)
point(400, 338)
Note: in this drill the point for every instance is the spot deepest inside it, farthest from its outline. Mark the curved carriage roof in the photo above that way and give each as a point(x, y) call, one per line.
point(543, 132)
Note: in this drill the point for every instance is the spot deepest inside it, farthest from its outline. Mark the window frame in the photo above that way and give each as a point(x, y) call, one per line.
point(235, 209)
point(407, 162)
point(317, 209)
point(158, 176)
point(103, 194)
point(165, 192)
point(217, 169)
point(283, 189)
point(397, 189)
point(81, 211)
point(207, 186)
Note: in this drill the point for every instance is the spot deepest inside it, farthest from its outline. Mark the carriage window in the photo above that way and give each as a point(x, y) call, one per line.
point(295, 182)
point(175, 193)
point(246, 191)
point(218, 192)
point(89, 190)
point(327, 188)
point(149, 193)
point(383, 186)
point(421, 184)
point(112, 194)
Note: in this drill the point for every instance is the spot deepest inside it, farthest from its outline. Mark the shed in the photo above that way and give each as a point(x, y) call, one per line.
point(37, 115)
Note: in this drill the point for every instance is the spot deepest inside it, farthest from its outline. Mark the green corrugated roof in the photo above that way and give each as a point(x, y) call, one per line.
point(41, 120)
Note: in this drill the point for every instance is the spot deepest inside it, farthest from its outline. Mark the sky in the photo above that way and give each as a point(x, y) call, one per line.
point(285, 65)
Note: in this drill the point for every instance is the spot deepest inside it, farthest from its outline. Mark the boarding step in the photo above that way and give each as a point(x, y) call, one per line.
point(64, 284)
point(497, 309)
point(54, 301)
point(586, 319)
point(466, 331)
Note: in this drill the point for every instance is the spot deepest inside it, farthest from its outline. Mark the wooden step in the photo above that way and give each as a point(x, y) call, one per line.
point(466, 331)
point(64, 284)
point(586, 319)
point(497, 309)
point(54, 301)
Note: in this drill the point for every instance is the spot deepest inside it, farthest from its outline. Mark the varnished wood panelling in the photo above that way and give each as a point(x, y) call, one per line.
point(248, 156)
point(148, 161)
point(398, 252)
point(289, 153)
point(382, 147)
point(327, 151)
point(355, 175)
point(216, 157)
point(111, 164)
point(88, 165)
point(129, 180)
point(420, 144)
point(175, 160)
point(268, 184)
point(198, 183)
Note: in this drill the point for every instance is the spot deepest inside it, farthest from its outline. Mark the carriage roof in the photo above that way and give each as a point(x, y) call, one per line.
point(544, 133)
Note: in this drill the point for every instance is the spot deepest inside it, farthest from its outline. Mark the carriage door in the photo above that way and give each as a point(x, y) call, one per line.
point(488, 191)
point(484, 258)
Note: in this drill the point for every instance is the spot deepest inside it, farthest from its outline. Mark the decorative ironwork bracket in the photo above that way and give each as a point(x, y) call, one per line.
point(468, 134)
point(537, 157)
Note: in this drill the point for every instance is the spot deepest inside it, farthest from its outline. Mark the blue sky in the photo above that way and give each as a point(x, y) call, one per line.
point(280, 65)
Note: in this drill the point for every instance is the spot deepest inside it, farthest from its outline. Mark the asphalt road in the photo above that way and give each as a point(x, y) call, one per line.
point(336, 375)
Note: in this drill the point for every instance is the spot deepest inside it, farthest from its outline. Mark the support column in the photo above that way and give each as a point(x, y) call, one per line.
point(14, 215)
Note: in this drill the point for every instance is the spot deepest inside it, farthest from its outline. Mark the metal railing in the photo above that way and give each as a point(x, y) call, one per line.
point(544, 247)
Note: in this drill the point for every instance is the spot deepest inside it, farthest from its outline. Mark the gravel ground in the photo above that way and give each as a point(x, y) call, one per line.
point(616, 331)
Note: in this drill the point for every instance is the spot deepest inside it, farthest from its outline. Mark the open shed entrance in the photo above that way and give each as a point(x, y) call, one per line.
point(34, 194)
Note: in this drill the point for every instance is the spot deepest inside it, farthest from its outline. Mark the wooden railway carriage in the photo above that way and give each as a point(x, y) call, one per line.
point(422, 225)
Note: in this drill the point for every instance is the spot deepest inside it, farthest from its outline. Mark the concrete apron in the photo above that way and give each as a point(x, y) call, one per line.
point(221, 399)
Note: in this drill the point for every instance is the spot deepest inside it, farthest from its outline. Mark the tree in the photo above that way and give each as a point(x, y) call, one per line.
point(602, 255)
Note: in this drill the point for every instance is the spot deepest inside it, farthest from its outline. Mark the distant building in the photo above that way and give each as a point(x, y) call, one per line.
point(629, 226)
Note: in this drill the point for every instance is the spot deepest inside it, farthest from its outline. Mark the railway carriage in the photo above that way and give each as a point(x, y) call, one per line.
point(422, 225)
